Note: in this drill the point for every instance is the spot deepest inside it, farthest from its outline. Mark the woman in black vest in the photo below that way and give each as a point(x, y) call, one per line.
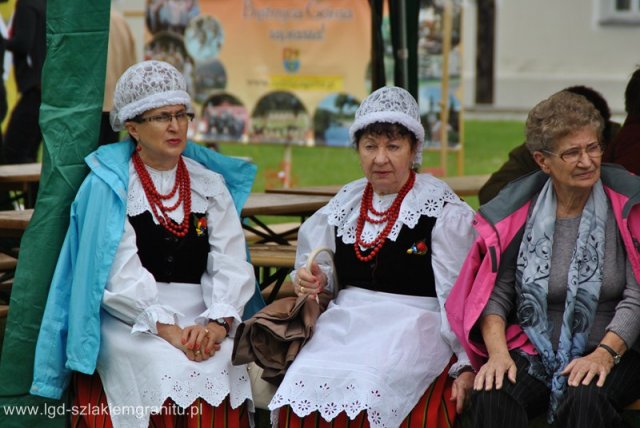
point(167, 268)
point(382, 352)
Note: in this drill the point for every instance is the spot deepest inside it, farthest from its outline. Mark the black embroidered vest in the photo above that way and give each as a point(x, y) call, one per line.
point(167, 257)
point(393, 270)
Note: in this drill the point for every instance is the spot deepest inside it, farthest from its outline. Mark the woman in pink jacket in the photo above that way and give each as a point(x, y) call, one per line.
point(547, 304)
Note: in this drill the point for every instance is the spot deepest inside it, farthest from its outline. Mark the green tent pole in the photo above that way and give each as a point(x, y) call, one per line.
point(72, 94)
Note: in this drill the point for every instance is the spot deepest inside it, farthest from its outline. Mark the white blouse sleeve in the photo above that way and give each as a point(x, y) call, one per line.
point(131, 293)
point(451, 239)
point(229, 281)
point(227, 284)
point(314, 233)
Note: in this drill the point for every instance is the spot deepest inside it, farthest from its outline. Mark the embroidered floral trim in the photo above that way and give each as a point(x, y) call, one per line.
point(213, 389)
point(330, 399)
point(427, 197)
point(204, 184)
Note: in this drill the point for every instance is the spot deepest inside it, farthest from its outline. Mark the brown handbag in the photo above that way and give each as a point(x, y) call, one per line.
point(275, 334)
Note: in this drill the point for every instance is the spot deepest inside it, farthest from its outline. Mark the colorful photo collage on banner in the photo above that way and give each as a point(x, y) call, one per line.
point(266, 71)
point(430, 72)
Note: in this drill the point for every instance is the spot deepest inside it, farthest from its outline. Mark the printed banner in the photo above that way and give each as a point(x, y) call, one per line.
point(267, 71)
point(430, 62)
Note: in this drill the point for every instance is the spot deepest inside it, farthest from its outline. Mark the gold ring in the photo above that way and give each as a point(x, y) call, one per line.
point(197, 352)
point(206, 331)
point(301, 289)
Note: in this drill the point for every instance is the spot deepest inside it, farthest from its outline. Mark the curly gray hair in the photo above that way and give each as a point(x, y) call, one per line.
point(561, 114)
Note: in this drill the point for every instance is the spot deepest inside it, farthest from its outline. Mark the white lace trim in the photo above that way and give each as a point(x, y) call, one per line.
point(213, 389)
point(427, 197)
point(357, 396)
point(204, 184)
point(152, 315)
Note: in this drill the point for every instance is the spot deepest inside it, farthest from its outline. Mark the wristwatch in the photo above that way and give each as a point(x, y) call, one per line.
point(614, 354)
point(223, 323)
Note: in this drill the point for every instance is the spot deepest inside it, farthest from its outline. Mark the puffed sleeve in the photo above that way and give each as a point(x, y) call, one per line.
point(316, 232)
point(229, 281)
point(131, 293)
point(451, 240)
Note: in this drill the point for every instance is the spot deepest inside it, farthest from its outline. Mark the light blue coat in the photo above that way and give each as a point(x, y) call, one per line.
point(69, 338)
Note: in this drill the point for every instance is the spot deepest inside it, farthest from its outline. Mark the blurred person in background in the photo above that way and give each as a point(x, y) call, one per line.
point(27, 43)
point(625, 148)
point(120, 56)
point(521, 161)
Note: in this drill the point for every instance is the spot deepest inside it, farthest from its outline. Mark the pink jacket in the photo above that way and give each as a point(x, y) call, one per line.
point(499, 225)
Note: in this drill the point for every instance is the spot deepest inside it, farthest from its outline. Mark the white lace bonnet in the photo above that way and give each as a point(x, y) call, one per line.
point(145, 86)
point(390, 104)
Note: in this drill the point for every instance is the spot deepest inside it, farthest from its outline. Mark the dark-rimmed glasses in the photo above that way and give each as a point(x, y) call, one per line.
point(165, 118)
point(574, 155)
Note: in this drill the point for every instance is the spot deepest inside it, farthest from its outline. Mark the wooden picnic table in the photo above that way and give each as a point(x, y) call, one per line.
point(20, 173)
point(464, 185)
point(283, 204)
point(278, 204)
point(22, 178)
point(13, 223)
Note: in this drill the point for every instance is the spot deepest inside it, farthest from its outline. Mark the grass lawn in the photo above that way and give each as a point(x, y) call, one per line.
point(486, 146)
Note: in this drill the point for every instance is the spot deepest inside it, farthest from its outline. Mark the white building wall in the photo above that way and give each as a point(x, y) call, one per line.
point(133, 11)
point(545, 45)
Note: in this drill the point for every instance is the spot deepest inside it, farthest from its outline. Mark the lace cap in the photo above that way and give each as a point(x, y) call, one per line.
point(390, 104)
point(145, 86)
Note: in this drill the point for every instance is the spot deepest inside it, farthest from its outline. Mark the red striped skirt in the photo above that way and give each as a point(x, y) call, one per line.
point(91, 409)
point(434, 410)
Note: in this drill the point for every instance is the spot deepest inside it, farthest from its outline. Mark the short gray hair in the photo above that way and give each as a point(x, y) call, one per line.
point(561, 114)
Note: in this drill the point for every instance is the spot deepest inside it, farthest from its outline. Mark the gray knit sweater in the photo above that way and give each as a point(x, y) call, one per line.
point(619, 305)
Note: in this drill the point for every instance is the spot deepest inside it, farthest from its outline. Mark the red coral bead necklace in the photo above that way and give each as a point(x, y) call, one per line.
point(156, 200)
point(388, 216)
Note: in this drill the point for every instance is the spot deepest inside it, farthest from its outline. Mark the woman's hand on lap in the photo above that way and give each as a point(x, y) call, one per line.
point(201, 341)
point(491, 374)
point(173, 334)
point(584, 369)
point(217, 334)
point(460, 390)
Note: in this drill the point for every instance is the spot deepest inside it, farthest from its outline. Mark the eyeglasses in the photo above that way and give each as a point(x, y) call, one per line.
point(574, 155)
point(182, 118)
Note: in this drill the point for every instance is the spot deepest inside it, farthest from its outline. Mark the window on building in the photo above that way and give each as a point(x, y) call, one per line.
point(619, 12)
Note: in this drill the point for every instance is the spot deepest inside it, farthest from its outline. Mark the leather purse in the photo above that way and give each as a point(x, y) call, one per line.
point(274, 335)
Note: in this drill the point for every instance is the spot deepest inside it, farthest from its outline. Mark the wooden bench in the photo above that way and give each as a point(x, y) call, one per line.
point(7, 270)
point(272, 264)
point(288, 231)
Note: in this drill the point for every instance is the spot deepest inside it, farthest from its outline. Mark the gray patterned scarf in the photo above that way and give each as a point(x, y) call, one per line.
point(583, 286)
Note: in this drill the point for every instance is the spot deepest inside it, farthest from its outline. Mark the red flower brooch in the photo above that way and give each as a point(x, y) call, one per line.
point(201, 226)
point(419, 248)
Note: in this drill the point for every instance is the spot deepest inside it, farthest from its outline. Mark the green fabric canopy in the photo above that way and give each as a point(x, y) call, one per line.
point(72, 94)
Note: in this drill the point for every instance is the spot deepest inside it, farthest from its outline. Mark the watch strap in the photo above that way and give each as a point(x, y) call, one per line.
point(616, 357)
point(223, 322)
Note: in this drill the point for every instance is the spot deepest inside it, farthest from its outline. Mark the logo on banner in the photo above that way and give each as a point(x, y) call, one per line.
point(291, 59)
